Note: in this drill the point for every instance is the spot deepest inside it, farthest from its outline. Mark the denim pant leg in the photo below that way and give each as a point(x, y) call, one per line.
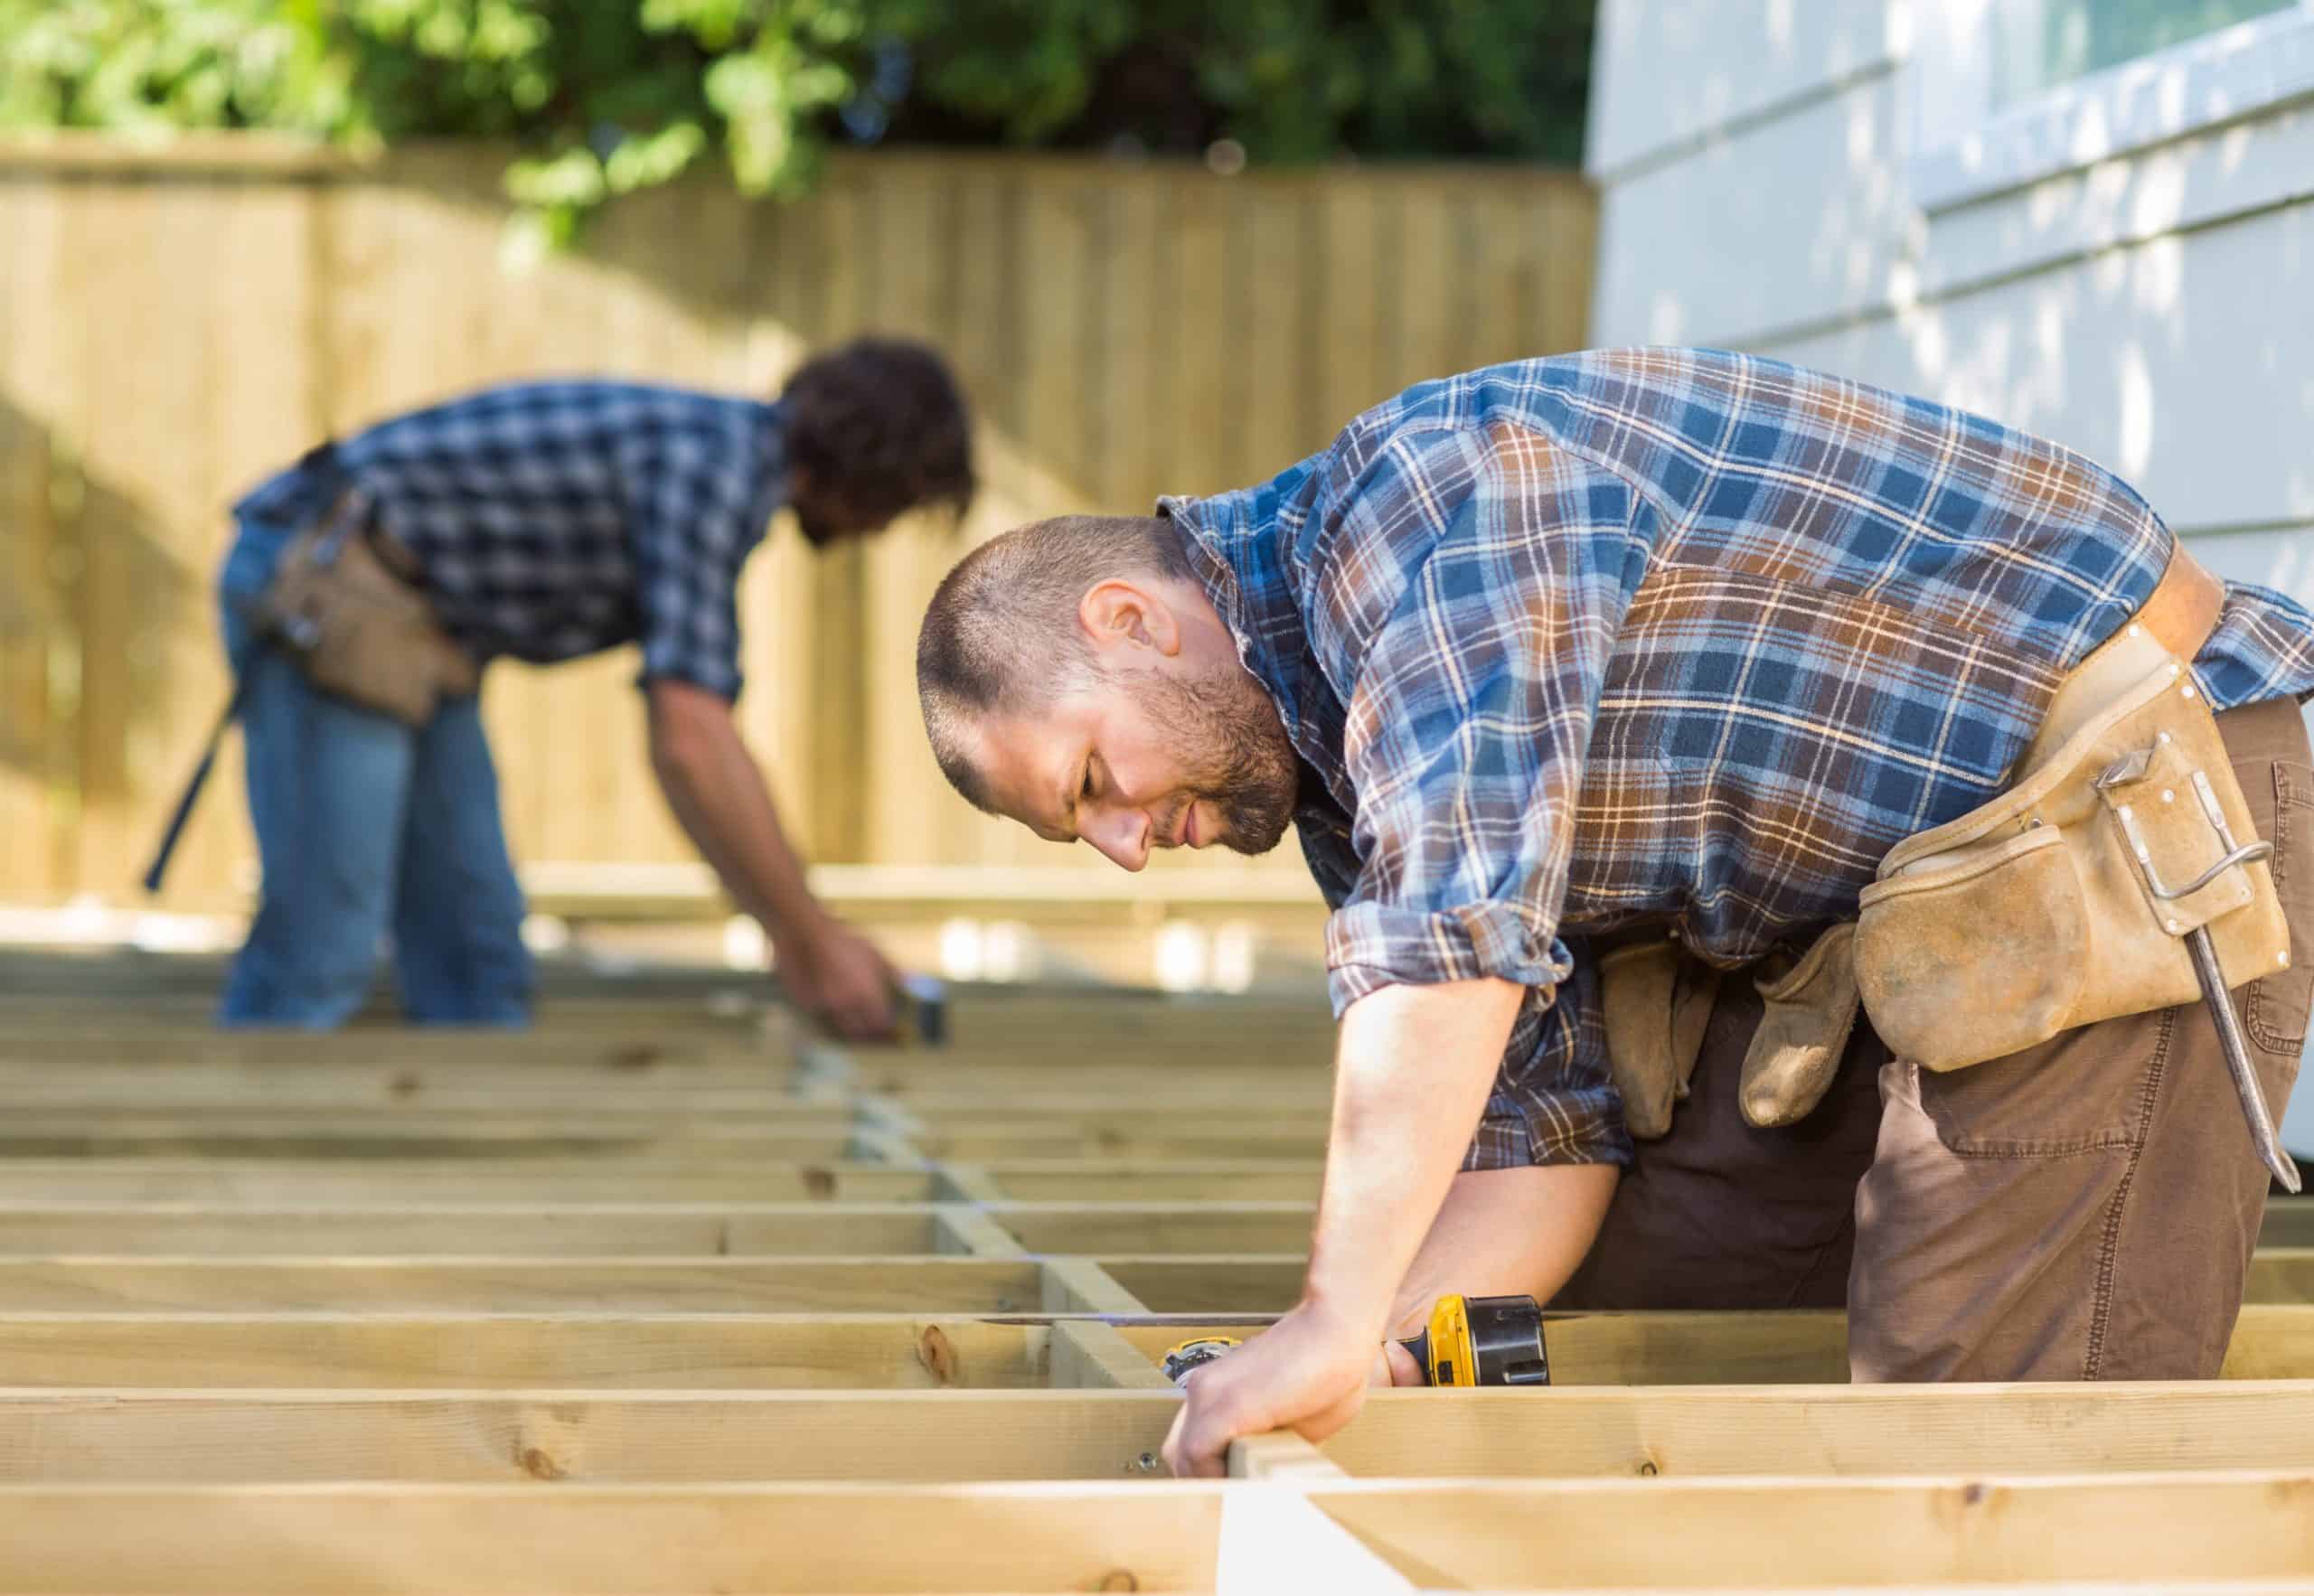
point(328, 787)
point(458, 923)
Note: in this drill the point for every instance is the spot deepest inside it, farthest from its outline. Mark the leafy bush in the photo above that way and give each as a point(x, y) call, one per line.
point(607, 96)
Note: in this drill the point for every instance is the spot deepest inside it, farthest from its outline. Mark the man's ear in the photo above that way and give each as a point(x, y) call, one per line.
point(1116, 614)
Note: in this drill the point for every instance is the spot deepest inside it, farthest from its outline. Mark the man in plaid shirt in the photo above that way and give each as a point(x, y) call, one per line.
point(548, 520)
point(1568, 650)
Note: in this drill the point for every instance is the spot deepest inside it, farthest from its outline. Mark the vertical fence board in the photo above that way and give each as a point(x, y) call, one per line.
point(30, 382)
point(1124, 328)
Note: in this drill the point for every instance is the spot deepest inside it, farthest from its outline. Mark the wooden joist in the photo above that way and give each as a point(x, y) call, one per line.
point(944, 1432)
point(588, 1540)
point(483, 1285)
point(519, 1540)
point(1707, 1535)
point(576, 1349)
point(321, 1184)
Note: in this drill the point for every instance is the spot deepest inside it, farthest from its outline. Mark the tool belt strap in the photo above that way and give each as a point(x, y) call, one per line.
point(2065, 900)
point(2177, 618)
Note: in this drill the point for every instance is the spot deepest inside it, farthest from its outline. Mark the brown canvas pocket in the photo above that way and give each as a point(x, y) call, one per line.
point(2079, 1093)
point(2274, 1008)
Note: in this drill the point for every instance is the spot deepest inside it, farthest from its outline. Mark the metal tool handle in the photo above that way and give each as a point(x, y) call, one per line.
point(2234, 856)
point(2238, 1062)
point(2206, 969)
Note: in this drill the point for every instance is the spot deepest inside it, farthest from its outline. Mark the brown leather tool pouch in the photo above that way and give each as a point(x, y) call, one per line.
point(356, 628)
point(1655, 1002)
point(1807, 1011)
point(2045, 909)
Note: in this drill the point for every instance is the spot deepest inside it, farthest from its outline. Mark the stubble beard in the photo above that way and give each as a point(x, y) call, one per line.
point(1240, 759)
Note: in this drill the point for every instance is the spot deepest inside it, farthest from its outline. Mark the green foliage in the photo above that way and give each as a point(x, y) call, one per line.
point(608, 96)
point(1292, 81)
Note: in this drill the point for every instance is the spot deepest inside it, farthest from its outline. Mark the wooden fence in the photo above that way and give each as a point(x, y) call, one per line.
point(179, 321)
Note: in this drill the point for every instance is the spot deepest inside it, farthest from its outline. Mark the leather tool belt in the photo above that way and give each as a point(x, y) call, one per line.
point(346, 607)
point(2120, 873)
point(2068, 899)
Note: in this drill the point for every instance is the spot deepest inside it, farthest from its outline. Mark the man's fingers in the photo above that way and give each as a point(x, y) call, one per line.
point(1171, 1451)
point(1203, 1452)
point(1198, 1445)
point(1318, 1426)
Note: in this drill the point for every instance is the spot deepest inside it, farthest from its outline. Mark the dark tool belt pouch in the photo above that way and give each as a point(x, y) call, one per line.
point(2062, 902)
point(358, 630)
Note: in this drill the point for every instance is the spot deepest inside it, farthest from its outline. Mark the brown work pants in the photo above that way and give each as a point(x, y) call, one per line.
point(2085, 1209)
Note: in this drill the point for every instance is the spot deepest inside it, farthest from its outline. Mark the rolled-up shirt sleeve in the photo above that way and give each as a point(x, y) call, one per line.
point(1471, 705)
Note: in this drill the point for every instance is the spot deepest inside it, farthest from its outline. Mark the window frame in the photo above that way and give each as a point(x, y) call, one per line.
point(1965, 151)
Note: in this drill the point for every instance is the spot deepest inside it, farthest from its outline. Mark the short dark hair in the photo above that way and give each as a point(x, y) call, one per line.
point(882, 421)
point(1000, 631)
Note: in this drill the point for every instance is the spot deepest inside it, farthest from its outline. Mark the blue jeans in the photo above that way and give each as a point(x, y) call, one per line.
point(365, 827)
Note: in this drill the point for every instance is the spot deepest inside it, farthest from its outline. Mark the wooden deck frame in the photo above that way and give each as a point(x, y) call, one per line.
point(131, 1435)
point(721, 1267)
point(1370, 1536)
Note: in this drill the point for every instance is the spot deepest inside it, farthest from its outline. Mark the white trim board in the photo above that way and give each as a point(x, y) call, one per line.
point(1965, 153)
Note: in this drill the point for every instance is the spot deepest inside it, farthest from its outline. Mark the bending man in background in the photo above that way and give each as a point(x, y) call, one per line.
point(540, 522)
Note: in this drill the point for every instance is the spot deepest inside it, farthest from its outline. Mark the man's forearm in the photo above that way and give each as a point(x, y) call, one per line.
point(719, 797)
point(1505, 1233)
point(1414, 1067)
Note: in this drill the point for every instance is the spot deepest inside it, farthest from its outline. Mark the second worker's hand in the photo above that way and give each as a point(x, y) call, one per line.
point(1308, 1373)
point(839, 978)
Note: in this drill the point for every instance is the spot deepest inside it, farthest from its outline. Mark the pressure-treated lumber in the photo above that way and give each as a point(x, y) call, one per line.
point(520, 1285)
point(1080, 1285)
point(1089, 1353)
point(353, 1141)
point(671, 1120)
point(1221, 1073)
point(1086, 1180)
point(425, 1229)
point(2271, 1341)
point(1241, 1136)
point(2281, 1274)
point(590, 1540)
point(573, 1351)
point(1254, 1284)
point(607, 1047)
point(578, 1347)
point(1211, 1284)
point(1705, 1534)
point(579, 1539)
point(128, 1434)
point(368, 1182)
point(1157, 1227)
point(1795, 1347)
point(1281, 1455)
point(131, 1436)
point(2290, 1222)
point(1850, 1430)
point(748, 1086)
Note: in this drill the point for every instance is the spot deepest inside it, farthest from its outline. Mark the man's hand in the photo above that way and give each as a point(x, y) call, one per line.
point(718, 794)
point(839, 978)
point(1412, 1074)
point(1308, 1373)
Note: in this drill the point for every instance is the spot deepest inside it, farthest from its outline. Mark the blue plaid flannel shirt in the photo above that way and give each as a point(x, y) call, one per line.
point(1652, 637)
point(553, 520)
